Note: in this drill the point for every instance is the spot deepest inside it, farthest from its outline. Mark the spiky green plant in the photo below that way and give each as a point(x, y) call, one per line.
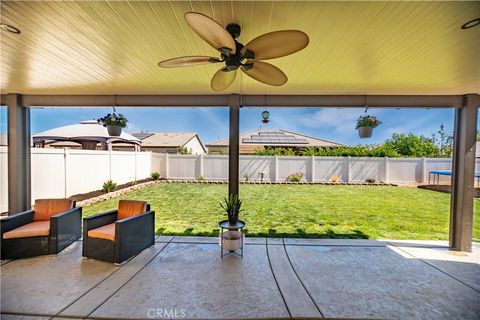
point(232, 207)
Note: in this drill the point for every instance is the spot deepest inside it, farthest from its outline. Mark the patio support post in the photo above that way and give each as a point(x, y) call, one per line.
point(234, 148)
point(19, 192)
point(461, 210)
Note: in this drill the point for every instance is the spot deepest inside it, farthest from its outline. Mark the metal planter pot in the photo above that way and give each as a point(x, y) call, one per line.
point(115, 131)
point(231, 240)
point(365, 132)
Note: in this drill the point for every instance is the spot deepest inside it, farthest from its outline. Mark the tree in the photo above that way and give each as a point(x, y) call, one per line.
point(444, 142)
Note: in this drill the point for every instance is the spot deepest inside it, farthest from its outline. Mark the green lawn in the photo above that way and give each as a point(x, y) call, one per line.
point(301, 210)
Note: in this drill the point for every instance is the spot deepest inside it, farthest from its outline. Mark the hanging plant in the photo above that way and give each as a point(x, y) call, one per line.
point(365, 125)
point(114, 123)
point(265, 116)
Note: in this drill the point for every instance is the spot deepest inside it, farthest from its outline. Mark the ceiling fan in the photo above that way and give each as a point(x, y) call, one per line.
point(236, 55)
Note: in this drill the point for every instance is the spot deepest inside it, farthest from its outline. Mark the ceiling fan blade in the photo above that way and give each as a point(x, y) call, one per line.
point(266, 73)
point(277, 44)
point(210, 31)
point(187, 61)
point(221, 80)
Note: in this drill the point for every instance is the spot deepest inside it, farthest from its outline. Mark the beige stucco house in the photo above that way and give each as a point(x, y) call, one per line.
point(170, 142)
point(271, 138)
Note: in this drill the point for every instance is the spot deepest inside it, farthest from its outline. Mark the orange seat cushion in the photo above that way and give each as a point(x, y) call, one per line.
point(129, 208)
point(45, 208)
point(104, 232)
point(34, 229)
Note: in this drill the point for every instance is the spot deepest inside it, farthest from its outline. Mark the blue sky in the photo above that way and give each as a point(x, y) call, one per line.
point(212, 123)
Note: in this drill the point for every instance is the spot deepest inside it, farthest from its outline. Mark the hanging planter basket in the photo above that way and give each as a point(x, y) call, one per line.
point(114, 123)
point(114, 131)
point(365, 132)
point(365, 125)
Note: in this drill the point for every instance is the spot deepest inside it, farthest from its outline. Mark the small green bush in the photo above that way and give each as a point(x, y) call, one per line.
point(201, 178)
point(295, 177)
point(109, 186)
point(155, 175)
point(370, 180)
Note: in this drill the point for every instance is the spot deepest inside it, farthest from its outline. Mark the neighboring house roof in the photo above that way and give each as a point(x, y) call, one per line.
point(277, 137)
point(166, 139)
point(89, 130)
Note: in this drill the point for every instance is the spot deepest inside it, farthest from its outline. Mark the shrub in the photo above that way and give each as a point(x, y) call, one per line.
point(201, 178)
point(295, 177)
point(109, 186)
point(370, 180)
point(184, 150)
point(335, 179)
point(155, 175)
point(247, 176)
point(133, 183)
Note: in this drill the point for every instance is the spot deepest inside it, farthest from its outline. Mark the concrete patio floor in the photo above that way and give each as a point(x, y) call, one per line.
point(184, 277)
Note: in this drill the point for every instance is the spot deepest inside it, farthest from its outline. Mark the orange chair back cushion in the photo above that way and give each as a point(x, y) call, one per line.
point(45, 208)
point(129, 208)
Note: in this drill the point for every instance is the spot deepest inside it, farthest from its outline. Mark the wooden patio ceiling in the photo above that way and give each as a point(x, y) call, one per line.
point(113, 47)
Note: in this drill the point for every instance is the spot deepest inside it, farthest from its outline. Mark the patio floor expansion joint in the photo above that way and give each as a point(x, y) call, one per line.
point(300, 280)
point(276, 282)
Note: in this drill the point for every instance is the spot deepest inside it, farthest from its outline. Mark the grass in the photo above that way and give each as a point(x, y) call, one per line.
point(301, 211)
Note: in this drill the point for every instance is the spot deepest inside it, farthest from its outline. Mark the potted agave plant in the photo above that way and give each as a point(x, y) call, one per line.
point(365, 125)
point(231, 240)
point(114, 123)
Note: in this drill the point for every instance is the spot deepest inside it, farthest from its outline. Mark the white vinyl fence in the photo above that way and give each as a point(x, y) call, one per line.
point(315, 169)
point(63, 172)
point(58, 173)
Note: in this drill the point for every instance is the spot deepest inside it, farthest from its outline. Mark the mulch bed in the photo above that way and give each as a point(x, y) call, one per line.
point(96, 193)
point(445, 188)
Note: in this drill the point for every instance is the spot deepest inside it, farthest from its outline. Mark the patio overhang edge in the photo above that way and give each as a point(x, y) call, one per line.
point(249, 100)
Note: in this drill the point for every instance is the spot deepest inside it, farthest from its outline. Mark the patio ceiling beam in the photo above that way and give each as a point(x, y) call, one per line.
point(463, 190)
point(290, 101)
point(19, 181)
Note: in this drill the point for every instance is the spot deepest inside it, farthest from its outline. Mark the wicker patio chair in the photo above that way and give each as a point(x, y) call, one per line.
point(53, 225)
point(117, 235)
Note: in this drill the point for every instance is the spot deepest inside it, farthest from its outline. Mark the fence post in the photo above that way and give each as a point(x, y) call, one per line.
point(200, 169)
point(65, 166)
point(275, 168)
point(166, 165)
point(349, 173)
point(312, 168)
point(385, 159)
point(424, 169)
point(135, 172)
point(110, 164)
